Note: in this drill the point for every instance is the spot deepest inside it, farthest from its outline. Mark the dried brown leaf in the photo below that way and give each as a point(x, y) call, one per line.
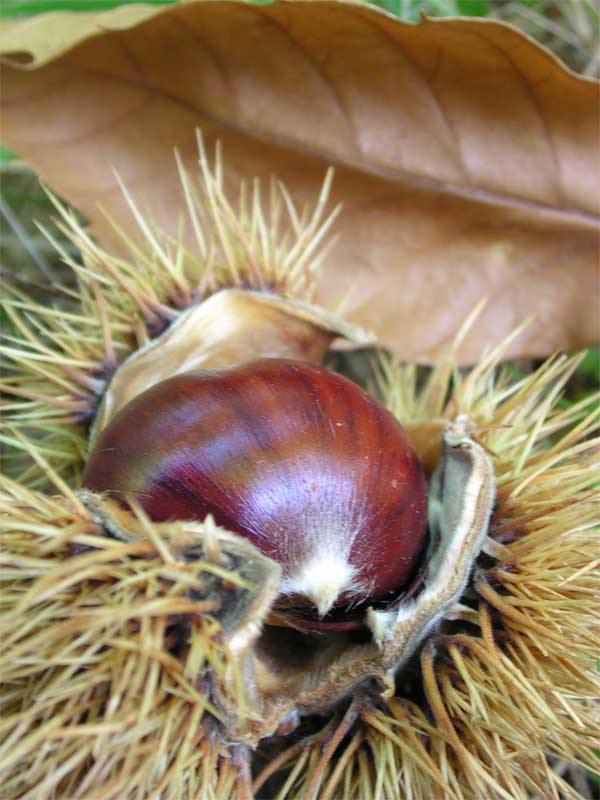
point(466, 155)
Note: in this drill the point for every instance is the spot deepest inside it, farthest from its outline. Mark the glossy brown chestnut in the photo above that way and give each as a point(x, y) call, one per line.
point(298, 459)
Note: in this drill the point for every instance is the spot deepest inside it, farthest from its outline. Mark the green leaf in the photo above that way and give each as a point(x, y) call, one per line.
point(473, 8)
point(444, 8)
point(407, 10)
point(21, 8)
point(595, 776)
point(6, 155)
point(591, 363)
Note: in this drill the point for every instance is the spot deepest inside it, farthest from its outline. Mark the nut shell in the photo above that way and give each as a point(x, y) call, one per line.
point(298, 459)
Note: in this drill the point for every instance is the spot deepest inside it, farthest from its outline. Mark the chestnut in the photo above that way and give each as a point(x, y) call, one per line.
point(298, 459)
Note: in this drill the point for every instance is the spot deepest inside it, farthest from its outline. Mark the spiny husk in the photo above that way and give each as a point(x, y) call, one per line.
point(509, 686)
point(62, 357)
point(98, 702)
point(110, 647)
